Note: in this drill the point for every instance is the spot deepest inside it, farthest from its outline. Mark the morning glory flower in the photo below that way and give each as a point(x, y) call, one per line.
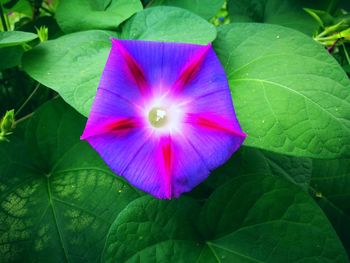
point(163, 116)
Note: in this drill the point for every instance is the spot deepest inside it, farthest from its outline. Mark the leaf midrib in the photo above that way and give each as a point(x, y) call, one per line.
point(55, 219)
point(209, 244)
point(263, 56)
point(298, 93)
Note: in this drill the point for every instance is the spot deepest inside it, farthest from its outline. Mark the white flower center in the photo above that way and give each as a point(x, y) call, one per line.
point(158, 117)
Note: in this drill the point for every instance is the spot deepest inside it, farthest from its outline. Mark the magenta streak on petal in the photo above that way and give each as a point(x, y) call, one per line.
point(191, 69)
point(210, 123)
point(122, 125)
point(166, 149)
point(118, 127)
point(134, 69)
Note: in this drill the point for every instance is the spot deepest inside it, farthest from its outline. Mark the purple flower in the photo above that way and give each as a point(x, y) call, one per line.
point(163, 116)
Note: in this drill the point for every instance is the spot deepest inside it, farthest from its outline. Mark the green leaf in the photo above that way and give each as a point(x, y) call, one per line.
point(58, 199)
point(290, 95)
point(147, 222)
point(278, 220)
point(72, 64)
point(169, 24)
point(328, 181)
point(74, 15)
point(249, 161)
point(323, 18)
point(330, 185)
point(255, 228)
point(10, 56)
point(14, 38)
point(22, 6)
point(205, 8)
point(253, 161)
point(287, 13)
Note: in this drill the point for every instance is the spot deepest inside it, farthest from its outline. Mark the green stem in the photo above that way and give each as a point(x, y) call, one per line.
point(3, 21)
point(330, 30)
point(332, 37)
point(8, 22)
point(346, 54)
point(24, 118)
point(28, 99)
point(149, 3)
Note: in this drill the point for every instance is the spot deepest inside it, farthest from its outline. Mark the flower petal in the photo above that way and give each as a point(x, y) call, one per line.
point(107, 109)
point(217, 105)
point(189, 167)
point(120, 150)
point(132, 68)
point(158, 165)
point(188, 84)
point(216, 138)
point(123, 76)
point(162, 62)
point(162, 167)
point(144, 160)
point(209, 78)
point(191, 69)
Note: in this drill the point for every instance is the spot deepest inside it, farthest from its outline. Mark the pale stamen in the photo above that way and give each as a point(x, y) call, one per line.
point(158, 117)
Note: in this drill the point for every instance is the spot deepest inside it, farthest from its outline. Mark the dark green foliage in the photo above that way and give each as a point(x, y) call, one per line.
point(283, 197)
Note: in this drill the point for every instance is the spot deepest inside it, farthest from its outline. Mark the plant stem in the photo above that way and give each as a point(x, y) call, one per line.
point(28, 99)
point(332, 37)
point(149, 3)
point(346, 54)
point(3, 21)
point(8, 22)
point(24, 118)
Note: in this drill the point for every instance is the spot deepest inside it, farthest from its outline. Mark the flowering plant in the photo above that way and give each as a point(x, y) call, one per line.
point(174, 131)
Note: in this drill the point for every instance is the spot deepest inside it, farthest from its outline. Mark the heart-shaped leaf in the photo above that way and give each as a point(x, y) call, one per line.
point(232, 222)
point(170, 24)
point(289, 94)
point(328, 181)
point(58, 198)
point(77, 15)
